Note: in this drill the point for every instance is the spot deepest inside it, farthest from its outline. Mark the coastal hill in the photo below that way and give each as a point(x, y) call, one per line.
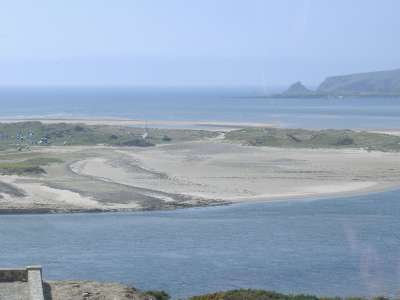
point(379, 83)
point(382, 82)
point(298, 88)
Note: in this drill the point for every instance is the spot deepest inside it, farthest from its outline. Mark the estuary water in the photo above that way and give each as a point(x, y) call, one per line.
point(200, 104)
point(347, 246)
point(344, 246)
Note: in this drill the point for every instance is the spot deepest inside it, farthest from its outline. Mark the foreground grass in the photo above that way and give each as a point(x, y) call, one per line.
point(265, 295)
point(250, 294)
point(302, 138)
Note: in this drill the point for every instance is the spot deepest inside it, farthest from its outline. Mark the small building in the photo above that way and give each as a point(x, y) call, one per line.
point(21, 283)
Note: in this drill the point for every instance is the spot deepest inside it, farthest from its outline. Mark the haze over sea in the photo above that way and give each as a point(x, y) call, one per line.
point(200, 104)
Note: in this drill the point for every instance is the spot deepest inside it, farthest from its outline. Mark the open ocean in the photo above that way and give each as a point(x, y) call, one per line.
point(347, 246)
point(196, 104)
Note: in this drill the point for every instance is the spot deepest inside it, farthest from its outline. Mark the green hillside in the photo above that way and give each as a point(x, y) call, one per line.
point(364, 84)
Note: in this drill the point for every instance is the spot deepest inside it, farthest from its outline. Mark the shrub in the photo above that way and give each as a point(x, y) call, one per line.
point(158, 295)
point(166, 138)
point(346, 141)
point(79, 128)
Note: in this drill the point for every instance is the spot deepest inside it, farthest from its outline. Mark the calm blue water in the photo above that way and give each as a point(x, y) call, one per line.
point(218, 104)
point(330, 247)
point(347, 246)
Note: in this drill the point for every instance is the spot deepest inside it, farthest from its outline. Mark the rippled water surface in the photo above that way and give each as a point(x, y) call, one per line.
point(347, 246)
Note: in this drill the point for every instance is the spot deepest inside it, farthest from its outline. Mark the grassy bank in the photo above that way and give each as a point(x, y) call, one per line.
point(302, 138)
point(22, 135)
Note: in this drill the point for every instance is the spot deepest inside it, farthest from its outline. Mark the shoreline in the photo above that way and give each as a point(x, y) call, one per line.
point(205, 125)
point(168, 124)
point(376, 189)
point(44, 211)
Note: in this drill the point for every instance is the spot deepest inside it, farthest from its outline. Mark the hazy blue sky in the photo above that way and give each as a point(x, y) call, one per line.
point(194, 42)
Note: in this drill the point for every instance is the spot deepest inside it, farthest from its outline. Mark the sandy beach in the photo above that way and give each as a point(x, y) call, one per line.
point(222, 171)
point(196, 173)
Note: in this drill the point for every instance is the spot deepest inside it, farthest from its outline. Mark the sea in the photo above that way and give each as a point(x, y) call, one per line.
point(348, 246)
point(248, 105)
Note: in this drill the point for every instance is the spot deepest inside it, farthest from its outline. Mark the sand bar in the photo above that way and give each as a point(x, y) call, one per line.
point(194, 173)
point(206, 125)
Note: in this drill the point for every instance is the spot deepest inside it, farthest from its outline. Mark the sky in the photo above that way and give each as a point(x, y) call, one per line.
point(194, 42)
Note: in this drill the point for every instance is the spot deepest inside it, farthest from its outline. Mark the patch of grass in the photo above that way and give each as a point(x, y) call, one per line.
point(137, 142)
point(31, 166)
point(302, 138)
point(24, 134)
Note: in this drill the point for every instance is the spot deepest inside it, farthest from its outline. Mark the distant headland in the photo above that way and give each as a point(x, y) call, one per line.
point(379, 83)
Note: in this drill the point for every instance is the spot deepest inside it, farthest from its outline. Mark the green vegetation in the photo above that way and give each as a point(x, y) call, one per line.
point(302, 138)
point(27, 167)
point(22, 135)
point(244, 294)
point(158, 295)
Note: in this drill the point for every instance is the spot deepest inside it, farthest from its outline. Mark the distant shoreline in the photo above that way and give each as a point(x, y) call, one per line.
point(199, 125)
point(367, 84)
point(328, 96)
point(206, 125)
